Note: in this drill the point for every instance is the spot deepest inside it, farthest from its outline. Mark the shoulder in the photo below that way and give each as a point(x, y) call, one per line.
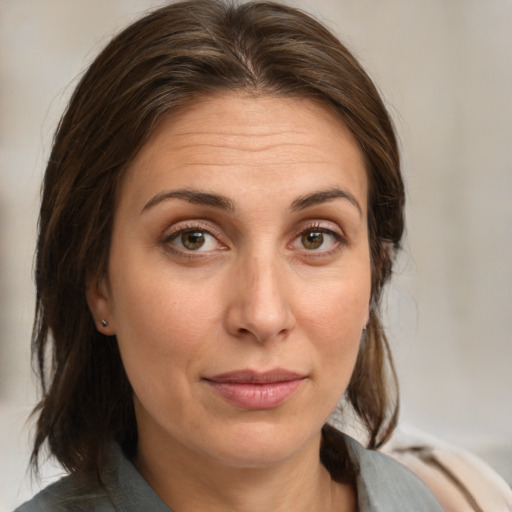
point(385, 485)
point(119, 487)
point(459, 479)
point(70, 493)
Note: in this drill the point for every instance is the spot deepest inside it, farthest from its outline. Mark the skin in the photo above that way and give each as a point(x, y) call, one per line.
point(272, 283)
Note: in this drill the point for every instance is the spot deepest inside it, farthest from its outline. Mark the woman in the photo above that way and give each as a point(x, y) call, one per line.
point(220, 213)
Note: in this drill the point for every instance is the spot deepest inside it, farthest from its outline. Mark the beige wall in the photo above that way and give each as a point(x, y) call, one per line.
point(445, 69)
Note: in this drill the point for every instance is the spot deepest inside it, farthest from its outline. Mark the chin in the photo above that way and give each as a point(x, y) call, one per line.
point(261, 446)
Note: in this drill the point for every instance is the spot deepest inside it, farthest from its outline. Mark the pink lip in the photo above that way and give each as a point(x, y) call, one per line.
point(252, 390)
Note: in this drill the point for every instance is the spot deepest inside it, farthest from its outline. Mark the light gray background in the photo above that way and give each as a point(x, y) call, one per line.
point(445, 70)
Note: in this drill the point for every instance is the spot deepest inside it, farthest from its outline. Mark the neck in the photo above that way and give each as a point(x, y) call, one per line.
point(301, 483)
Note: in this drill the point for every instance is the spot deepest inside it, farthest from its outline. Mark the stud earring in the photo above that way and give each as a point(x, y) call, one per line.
point(104, 323)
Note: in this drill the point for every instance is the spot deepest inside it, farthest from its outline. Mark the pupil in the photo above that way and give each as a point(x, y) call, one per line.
point(192, 240)
point(312, 240)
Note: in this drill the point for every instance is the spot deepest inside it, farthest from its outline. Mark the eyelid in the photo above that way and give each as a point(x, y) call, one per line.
point(187, 225)
point(324, 226)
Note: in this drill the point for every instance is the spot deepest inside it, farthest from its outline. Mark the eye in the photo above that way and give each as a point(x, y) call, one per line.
point(312, 240)
point(193, 239)
point(318, 239)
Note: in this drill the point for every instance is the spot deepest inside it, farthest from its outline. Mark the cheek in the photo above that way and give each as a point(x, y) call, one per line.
point(335, 316)
point(167, 327)
point(161, 346)
point(153, 297)
point(338, 303)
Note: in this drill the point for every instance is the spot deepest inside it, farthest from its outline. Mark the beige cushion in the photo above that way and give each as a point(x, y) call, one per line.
point(460, 480)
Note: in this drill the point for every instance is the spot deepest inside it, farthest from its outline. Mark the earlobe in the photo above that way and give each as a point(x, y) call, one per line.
point(99, 302)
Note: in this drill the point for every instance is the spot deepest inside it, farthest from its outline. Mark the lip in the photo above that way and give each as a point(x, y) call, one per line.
point(252, 390)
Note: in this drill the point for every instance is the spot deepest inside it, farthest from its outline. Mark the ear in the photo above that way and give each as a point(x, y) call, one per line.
point(100, 305)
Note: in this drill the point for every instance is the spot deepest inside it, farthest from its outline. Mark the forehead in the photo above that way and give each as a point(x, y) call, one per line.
point(232, 139)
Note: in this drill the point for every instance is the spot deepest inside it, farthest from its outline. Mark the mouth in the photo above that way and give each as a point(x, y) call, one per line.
point(251, 390)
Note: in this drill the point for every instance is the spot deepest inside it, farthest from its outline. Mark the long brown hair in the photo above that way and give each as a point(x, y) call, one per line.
point(162, 63)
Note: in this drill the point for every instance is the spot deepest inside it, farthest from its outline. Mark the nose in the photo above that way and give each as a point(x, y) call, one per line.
point(260, 306)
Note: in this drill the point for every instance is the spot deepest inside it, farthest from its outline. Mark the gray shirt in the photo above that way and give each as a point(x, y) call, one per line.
point(383, 485)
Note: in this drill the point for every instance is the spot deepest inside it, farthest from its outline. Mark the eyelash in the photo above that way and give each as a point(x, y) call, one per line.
point(339, 240)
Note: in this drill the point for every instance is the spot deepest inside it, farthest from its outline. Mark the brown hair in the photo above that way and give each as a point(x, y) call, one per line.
point(161, 63)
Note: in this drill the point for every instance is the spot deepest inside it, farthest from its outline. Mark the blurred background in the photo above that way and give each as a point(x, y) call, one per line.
point(445, 71)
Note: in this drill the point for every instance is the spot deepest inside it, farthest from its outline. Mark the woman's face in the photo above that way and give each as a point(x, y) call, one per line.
point(239, 278)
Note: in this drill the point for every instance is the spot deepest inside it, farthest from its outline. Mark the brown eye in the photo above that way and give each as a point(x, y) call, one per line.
point(192, 240)
point(319, 240)
point(312, 239)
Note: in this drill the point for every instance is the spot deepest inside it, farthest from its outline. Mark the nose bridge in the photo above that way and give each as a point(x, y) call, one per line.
point(261, 304)
point(263, 283)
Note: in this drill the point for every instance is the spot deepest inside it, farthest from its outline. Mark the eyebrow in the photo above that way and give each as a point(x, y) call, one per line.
point(323, 196)
point(224, 203)
point(192, 196)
